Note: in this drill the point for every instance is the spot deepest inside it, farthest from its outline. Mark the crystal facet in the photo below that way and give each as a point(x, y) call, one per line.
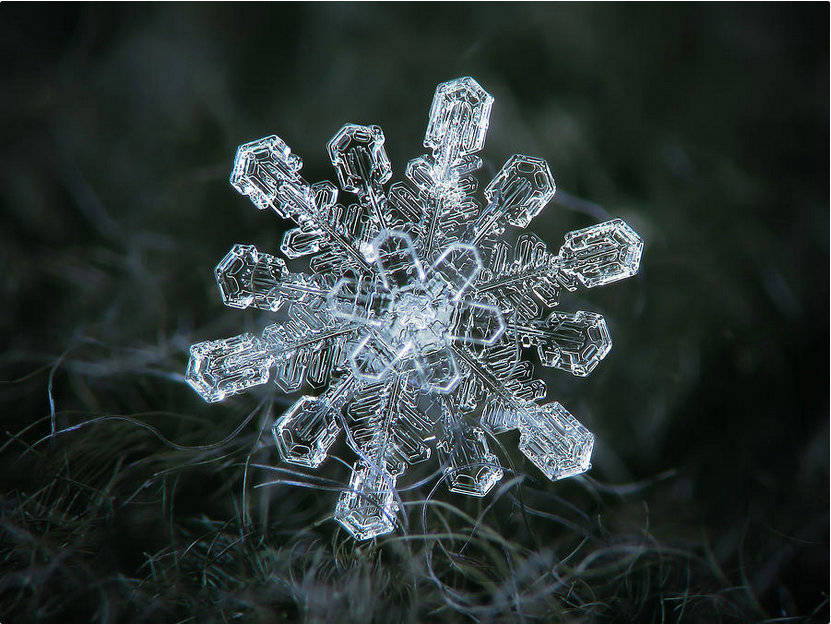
point(218, 368)
point(603, 253)
point(368, 507)
point(471, 468)
point(306, 431)
point(555, 441)
point(524, 186)
point(415, 314)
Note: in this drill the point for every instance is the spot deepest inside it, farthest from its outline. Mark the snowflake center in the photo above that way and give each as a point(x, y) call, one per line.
point(417, 312)
point(414, 311)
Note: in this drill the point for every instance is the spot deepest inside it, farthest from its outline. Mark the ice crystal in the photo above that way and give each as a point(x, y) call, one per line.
point(415, 313)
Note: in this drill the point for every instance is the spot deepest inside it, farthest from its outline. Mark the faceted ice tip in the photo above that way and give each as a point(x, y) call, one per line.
point(471, 468)
point(459, 119)
point(246, 276)
point(219, 368)
point(602, 253)
point(260, 168)
point(367, 508)
point(522, 188)
point(556, 442)
point(358, 156)
point(574, 342)
point(306, 431)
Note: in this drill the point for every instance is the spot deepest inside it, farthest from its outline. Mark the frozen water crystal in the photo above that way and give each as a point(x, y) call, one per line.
point(415, 314)
point(553, 439)
point(218, 368)
point(368, 507)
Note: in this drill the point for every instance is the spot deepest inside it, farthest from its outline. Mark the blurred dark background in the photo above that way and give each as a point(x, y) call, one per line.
point(704, 126)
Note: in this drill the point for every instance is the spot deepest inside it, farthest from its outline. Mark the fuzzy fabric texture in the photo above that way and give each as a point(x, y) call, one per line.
point(125, 498)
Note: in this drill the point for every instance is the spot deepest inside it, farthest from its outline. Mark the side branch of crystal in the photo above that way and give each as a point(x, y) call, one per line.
point(407, 334)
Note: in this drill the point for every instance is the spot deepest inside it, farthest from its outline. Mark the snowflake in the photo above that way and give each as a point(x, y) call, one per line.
point(415, 314)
